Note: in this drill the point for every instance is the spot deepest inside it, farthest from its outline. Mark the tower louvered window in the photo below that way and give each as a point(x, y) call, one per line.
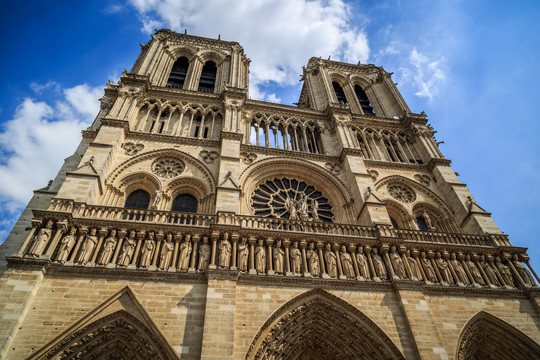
point(178, 73)
point(207, 81)
point(340, 94)
point(363, 100)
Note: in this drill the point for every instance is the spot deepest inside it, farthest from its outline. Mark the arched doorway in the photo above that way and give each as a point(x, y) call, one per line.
point(487, 337)
point(318, 325)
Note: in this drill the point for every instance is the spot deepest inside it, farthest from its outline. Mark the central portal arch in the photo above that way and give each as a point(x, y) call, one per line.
point(318, 325)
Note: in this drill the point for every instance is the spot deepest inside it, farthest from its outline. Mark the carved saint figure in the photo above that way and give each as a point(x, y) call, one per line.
point(296, 259)
point(279, 255)
point(474, 271)
point(523, 272)
point(243, 255)
point(41, 240)
point(331, 262)
point(346, 263)
point(505, 272)
point(90, 242)
point(378, 264)
point(313, 260)
point(442, 265)
point(291, 208)
point(397, 263)
point(303, 207)
point(185, 252)
point(428, 220)
point(147, 251)
point(66, 245)
point(108, 249)
point(315, 210)
point(413, 266)
point(488, 270)
point(260, 258)
point(128, 248)
point(166, 253)
point(224, 252)
point(428, 268)
point(204, 255)
point(362, 262)
point(158, 194)
point(458, 269)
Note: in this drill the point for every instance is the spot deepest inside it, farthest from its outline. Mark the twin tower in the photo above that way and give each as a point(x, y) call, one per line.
point(194, 222)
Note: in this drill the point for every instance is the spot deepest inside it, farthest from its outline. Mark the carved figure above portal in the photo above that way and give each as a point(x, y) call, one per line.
point(167, 168)
point(209, 156)
point(402, 193)
point(132, 148)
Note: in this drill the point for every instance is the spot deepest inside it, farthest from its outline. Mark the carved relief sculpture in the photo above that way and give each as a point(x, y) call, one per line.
point(488, 270)
point(243, 255)
point(166, 253)
point(346, 263)
point(128, 248)
point(148, 251)
point(397, 263)
point(41, 240)
point(66, 245)
point(185, 252)
point(331, 262)
point(442, 265)
point(313, 261)
point(296, 259)
point(90, 242)
point(279, 255)
point(378, 264)
point(108, 249)
point(523, 272)
point(458, 269)
point(260, 258)
point(428, 268)
point(224, 252)
point(362, 261)
point(474, 271)
point(505, 272)
point(204, 255)
point(413, 265)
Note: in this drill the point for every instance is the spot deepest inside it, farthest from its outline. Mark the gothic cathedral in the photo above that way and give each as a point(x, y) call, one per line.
point(193, 222)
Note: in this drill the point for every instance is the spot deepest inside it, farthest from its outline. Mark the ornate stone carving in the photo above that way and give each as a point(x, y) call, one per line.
point(423, 179)
point(166, 253)
point(428, 268)
point(402, 193)
point(363, 264)
point(416, 274)
point(313, 261)
point(168, 168)
point(40, 242)
point(333, 167)
point(204, 255)
point(505, 272)
point(224, 252)
point(89, 244)
point(108, 249)
point(185, 252)
point(243, 255)
point(397, 263)
point(148, 251)
point(260, 258)
point(442, 266)
point(474, 271)
point(296, 259)
point(378, 264)
point(458, 269)
point(128, 248)
point(209, 156)
point(66, 245)
point(248, 158)
point(331, 262)
point(132, 148)
point(374, 174)
point(523, 272)
point(279, 255)
point(346, 263)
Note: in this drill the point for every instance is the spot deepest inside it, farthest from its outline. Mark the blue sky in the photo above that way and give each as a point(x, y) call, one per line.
point(470, 65)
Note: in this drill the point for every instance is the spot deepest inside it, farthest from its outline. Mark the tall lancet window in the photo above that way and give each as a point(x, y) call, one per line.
point(207, 81)
point(363, 100)
point(340, 94)
point(178, 73)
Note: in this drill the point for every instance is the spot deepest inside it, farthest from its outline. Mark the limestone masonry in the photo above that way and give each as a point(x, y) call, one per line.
point(195, 223)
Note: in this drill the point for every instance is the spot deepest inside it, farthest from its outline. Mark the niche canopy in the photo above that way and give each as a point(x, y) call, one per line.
point(290, 199)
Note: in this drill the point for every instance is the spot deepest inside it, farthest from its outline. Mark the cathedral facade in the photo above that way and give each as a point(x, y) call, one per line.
point(193, 222)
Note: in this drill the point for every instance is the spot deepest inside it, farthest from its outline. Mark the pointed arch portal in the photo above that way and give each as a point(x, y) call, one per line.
point(318, 325)
point(487, 337)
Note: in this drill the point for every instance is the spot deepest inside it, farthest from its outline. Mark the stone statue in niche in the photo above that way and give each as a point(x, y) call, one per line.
point(296, 259)
point(458, 269)
point(89, 244)
point(166, 253)
point(185, 252)
point(505, 272)
point(523, 272)
point(224, 252)
point(41, 239)
point(204, 255)
point(474, 271)
point(442, 265)
point(108, 249)
point(260, 258)
point(313, 261)
point(331, 262)
point(428, 268)
point(378, 264)
point(488, 270)
point(243, 255)
point(315, 210)
point(148, 250)
point(158, 195)
point(429, 224)
point(128, 248)
point(303, 208)
point(291, 208)
point(279, 255)
point(346, 263)
point(397, 263)
point(362, 261)
point(413, 265)
point(66, 245)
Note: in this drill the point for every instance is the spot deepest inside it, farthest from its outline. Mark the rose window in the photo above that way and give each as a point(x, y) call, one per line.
point(402, 193)
point(291, 199)
point(167, 168)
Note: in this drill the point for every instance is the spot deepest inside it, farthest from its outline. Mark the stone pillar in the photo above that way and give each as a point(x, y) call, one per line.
point(388, 263)
point(303, 246)
point(286, 245)
point(35, 225)
point(140, 238)
point(352, 252)
point(270, 268)
point(320, 247)
point(82, 233)
point(159, 242)
point(252, 242)
point(121, 235)
point(215, 237)
point(61, 228)
point(335, 248)
point(195, 251)
point(102, 233)
point(234, 240)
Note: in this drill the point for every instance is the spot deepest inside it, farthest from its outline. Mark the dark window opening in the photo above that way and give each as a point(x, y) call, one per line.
point(161, 128)
point(363, 100)
point(394, 223)
point(178, 73)
point(340, 94)
point(205, 135)
point(152, 127)
point(422, 224)
point(138, 199)
point(185, 203)
point(196, 131)
point(207, 81)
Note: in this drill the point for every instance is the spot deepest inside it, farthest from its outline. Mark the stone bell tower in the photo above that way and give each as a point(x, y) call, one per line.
point(194, 222)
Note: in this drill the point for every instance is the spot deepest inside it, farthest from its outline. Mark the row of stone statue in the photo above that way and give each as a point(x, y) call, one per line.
point(257, 256)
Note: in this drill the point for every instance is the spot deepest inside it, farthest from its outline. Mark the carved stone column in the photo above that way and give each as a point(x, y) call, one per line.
point(286, 245)
point(177, 239)
point(215, 237)
point(446, 256)
point(461, 258)
point(481, 269)
point(403, 252)
point(102, 233)
point(431, 257)
point(159, 242)
point(252, 241)
point(388, 263)
point(82, 233)
point(526, 261)
point(415, 255)
point(320, 247)
point(192, 265)
point(269, 261)
point(335, 248)
point(303, 246)
point(352, 252)
point(367, 251)
point(140, 238)
point(517, 276)
point(61, 228)
point(121, 235)
point(35, 224)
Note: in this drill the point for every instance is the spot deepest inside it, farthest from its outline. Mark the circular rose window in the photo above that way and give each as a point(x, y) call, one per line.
point(402, 193)
point(167, 168)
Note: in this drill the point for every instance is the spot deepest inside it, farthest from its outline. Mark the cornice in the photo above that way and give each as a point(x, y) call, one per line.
point(89, 134)
point(227, 135)
point(112, 122)
point(171, 139)
point(287, 110)
point(376, 164)
point(170, 93)
point(438, 162)
point(286, 153)
point(186, 39)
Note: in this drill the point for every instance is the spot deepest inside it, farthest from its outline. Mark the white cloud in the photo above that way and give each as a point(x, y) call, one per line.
point(279, 36)
point(39, 136)
point(425, 73)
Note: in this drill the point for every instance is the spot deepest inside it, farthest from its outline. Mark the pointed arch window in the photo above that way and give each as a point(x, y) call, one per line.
point(422, 223)
point(185, 203)
point(207, 82)
point(363, 100)
point(138, 199)
point(340, 94)
point(178, 73)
